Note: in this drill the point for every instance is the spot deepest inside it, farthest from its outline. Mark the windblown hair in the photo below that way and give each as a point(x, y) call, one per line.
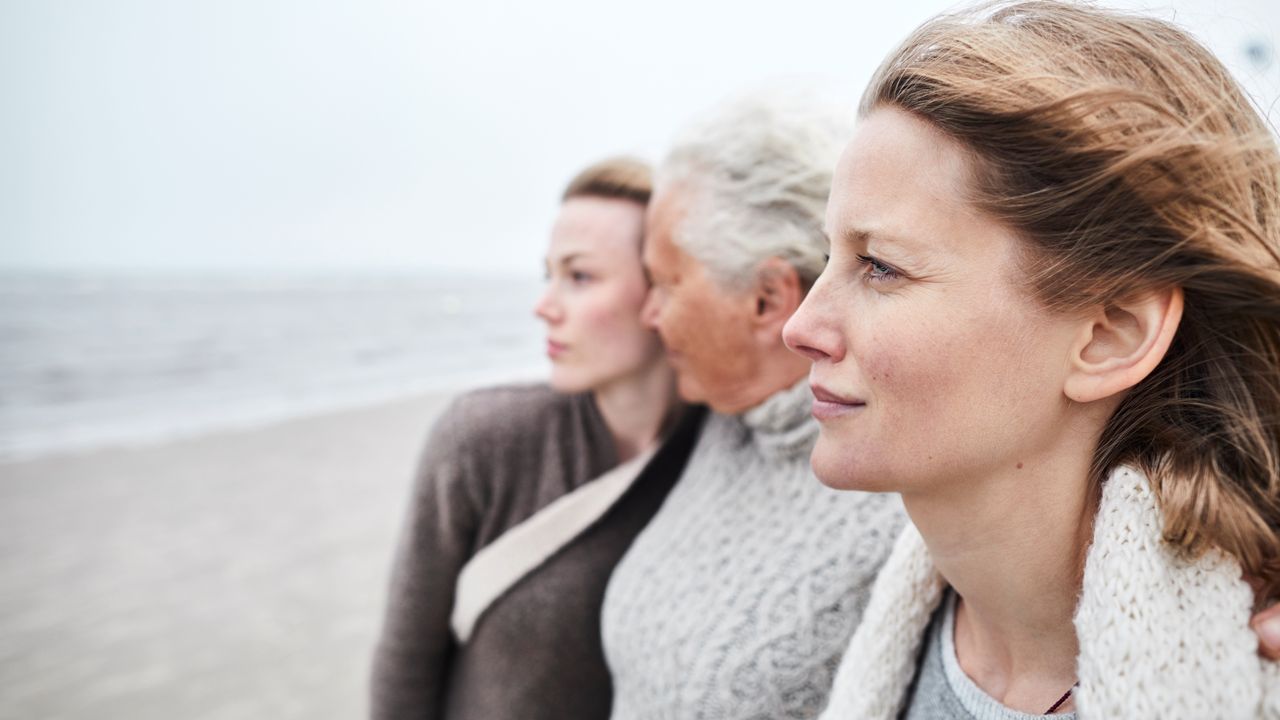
point(1128, 160)
point(616, 178)
point(613, 178)
point(758, 173)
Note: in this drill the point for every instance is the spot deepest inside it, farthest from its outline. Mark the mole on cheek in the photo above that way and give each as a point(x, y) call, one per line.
point(1019, 466)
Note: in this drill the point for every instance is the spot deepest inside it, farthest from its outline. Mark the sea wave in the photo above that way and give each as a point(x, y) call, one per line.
point(89, 361)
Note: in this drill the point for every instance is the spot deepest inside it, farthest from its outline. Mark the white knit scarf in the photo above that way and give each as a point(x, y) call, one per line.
point(1159, 637)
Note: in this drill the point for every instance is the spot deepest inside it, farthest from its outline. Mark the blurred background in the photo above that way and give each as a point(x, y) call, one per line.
point(249, 249)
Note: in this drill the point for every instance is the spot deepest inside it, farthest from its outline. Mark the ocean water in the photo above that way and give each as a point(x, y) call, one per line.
point(89, 361)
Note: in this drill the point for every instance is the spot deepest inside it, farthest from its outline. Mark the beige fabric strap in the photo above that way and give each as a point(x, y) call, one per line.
point(521, 549)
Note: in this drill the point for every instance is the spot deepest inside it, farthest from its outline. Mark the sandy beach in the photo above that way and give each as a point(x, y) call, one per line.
point(233, 576)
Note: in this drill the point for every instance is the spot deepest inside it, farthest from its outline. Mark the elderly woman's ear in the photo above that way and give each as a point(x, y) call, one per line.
point(778, 292)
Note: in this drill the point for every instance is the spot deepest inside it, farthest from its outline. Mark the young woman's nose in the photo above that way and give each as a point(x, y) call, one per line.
point(548, 308)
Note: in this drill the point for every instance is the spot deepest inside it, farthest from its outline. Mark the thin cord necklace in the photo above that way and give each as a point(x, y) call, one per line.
point(1061, 700)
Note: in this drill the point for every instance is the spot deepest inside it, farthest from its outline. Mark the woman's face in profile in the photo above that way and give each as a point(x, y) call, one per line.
point(595, 290)
point(935, 362)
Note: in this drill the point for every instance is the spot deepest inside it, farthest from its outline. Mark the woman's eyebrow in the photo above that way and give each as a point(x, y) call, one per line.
point(564, 260)
point(864, 236)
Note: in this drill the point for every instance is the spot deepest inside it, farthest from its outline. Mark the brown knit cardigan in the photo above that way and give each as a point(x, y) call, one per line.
point(495, 458)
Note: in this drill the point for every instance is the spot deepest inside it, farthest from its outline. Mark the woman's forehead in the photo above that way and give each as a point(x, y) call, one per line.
point(901, 183)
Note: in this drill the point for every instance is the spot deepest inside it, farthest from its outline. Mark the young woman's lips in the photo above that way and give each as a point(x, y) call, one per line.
point(829, 406)
point(555, 349)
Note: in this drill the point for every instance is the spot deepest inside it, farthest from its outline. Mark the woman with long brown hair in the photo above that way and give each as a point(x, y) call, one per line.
point(1051, 321)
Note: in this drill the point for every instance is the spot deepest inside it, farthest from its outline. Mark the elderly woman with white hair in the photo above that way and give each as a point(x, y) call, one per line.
point(737, 599)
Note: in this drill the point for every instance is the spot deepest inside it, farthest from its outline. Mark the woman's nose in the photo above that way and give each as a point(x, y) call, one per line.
point(547, 308)
point(650, 310)
point(813, 331)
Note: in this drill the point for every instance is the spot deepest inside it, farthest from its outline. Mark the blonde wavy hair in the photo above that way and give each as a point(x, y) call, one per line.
point(1128, 159)
point(615, 178)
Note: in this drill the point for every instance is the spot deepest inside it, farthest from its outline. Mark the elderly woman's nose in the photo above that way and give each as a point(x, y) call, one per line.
point(650, 310)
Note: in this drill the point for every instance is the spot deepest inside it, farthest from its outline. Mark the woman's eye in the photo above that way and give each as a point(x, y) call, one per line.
point(578, 277)
point(876, 270)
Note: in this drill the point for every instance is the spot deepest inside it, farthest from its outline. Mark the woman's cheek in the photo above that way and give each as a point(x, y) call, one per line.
point(619, 299)
point(887, 357)
point(599, 309)
point(616, 320)
point(909, 372)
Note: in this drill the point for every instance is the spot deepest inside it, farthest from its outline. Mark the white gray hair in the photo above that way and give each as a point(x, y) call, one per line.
point(758, 173)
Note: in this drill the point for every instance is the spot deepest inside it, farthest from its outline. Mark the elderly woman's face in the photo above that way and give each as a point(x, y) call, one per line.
point(595, 290)
point(930, 361)
point(706, 328)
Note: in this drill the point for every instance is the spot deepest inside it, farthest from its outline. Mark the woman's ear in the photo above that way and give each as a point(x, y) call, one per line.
point(777, 294)
point(1121, 344)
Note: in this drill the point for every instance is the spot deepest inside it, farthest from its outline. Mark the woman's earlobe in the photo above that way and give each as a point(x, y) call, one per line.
point(1122, 344)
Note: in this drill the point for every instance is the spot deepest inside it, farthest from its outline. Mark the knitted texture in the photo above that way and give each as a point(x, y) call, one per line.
point(1271, 681)
point(1182, 646)
point(1159, 637)
point(737, 599)
point(496, 458)
point(878, 666)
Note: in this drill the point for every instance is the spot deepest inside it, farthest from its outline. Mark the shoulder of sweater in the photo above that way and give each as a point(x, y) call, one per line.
point(503, 415)
point(505, 426)
point(487, 431)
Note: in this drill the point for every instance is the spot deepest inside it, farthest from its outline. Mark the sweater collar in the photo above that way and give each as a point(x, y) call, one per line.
point(1160, 636)
point(782, 424)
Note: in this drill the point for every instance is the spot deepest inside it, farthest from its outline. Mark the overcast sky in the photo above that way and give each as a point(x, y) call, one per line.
point(387, 134)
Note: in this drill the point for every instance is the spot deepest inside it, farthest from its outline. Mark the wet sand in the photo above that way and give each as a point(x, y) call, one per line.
point(233, 576)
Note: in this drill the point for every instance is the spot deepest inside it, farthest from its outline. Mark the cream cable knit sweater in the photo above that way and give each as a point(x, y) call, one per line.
point(737, 599)
point(1159, 637)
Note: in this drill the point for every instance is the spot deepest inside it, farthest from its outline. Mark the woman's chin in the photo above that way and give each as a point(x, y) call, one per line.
point(569, 383)
point(840, 468)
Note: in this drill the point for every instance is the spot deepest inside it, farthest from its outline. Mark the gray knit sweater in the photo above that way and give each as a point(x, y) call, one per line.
point(738, 598)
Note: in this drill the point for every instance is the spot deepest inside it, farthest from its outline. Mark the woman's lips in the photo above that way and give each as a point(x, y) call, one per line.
point(828, 405)
point(555, 349)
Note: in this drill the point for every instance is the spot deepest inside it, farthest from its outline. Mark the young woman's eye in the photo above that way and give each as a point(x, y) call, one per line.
point(876, 270)
point(579, 278)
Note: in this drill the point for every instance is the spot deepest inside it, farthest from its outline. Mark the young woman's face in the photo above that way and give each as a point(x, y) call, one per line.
point(931, 361)
point(595, 290)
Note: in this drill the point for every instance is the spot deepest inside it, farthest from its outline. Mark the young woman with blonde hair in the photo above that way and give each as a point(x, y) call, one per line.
point(1051, 321)
point(527, 496)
